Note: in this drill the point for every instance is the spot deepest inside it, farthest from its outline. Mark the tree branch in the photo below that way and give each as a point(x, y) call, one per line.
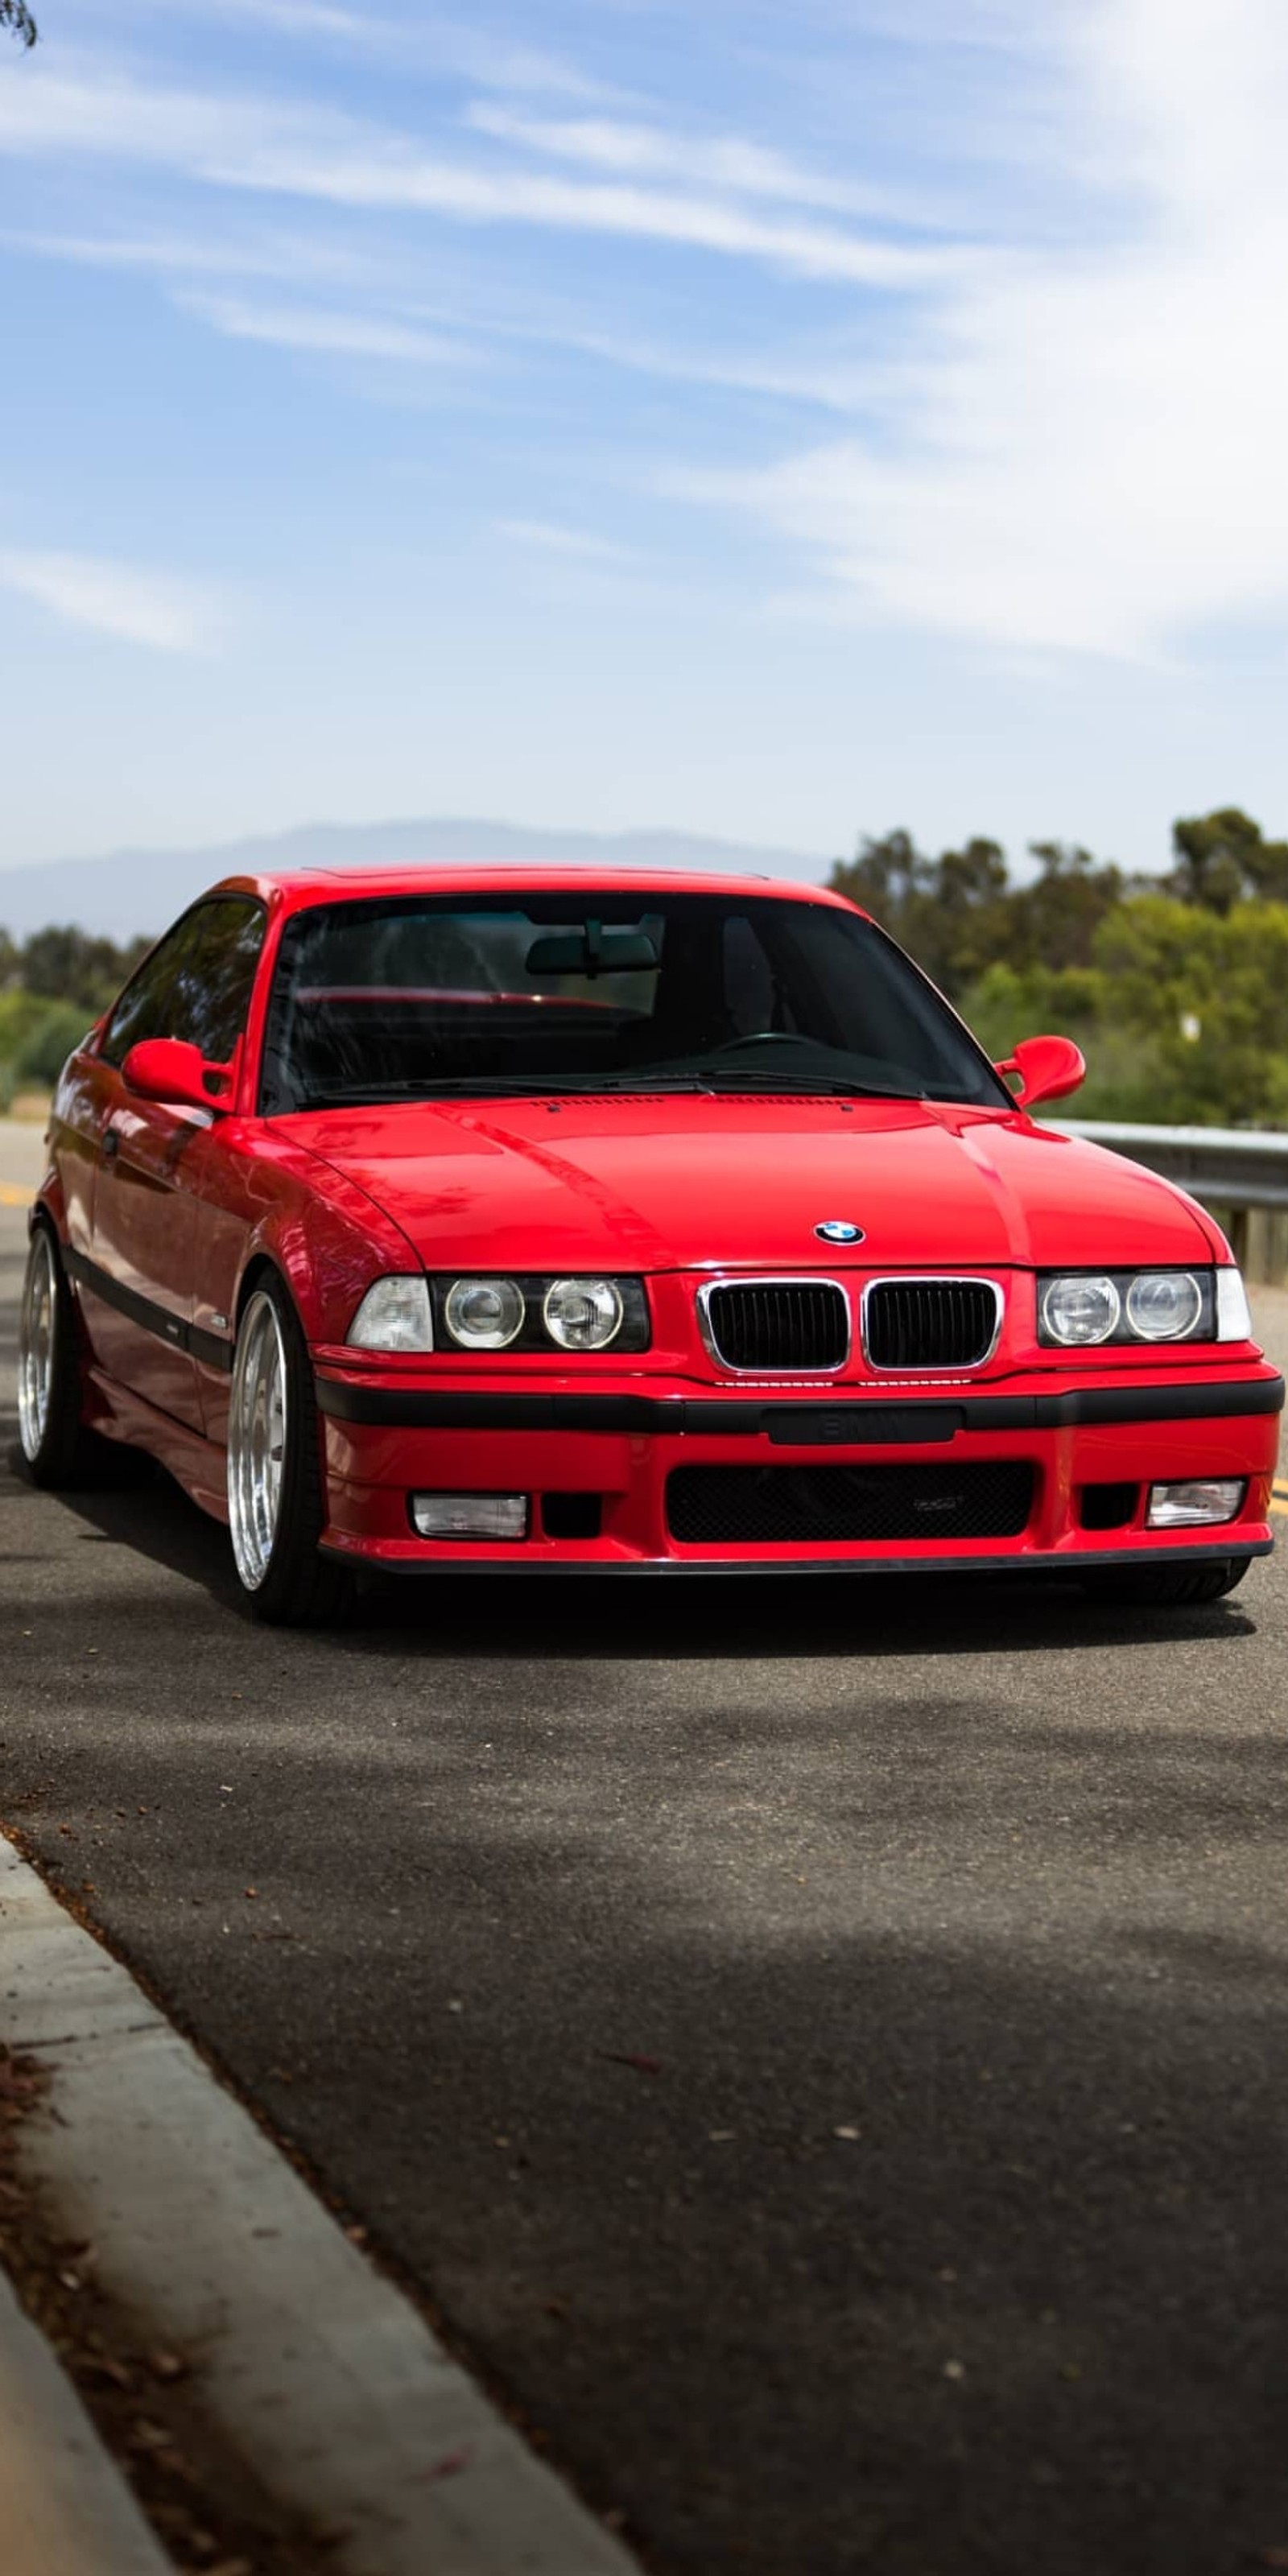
point(16, 15)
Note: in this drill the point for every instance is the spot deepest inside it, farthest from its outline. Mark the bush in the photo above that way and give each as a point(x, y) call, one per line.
point(20, 1013)
point(45, 1049)
point(6, 1088)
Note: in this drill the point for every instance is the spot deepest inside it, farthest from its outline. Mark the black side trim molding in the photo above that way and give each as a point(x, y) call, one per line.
point(210, 1348)
point(851, 1422)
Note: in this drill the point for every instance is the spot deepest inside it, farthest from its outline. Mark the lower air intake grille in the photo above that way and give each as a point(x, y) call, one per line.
point(768, 1506)
point(779, 1324)
point(930, 1323)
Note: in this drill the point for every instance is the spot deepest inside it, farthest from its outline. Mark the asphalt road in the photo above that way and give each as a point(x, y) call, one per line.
point(822, 2050)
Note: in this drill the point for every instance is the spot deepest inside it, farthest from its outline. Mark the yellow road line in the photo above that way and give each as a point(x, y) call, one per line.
point(12, 1196)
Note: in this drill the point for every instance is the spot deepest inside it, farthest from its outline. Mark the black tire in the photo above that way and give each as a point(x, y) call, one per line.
point(1167, 1584)
point(285, 1582)
point(63, 1455)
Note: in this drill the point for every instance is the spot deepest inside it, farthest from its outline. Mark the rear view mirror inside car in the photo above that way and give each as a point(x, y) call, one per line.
point(591, 950)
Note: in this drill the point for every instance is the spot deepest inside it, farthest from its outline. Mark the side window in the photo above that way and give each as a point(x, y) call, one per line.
point(196, 985)
point(215, 974)
point(143, 1010)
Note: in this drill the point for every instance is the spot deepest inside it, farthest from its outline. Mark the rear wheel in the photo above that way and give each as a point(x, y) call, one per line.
point(1168, 1583)
point(58, 1447)
point(276, 1510)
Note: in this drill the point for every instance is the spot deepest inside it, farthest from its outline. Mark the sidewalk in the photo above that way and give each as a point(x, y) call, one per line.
point(65, 2509)
point(360, 2442)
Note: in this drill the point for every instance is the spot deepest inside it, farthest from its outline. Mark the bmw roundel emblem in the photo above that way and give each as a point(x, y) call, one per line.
point(839, 1230)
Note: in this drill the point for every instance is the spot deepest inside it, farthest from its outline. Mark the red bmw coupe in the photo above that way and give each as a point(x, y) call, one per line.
point(510, 1220)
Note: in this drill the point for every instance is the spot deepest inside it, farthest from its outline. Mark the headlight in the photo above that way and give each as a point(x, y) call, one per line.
point(1164, 1305)
point(538, 1313)
point(1077, 1308)
point(582, 1314)
point(1078, 1311)
point(395, 1315)
point(484, 1314)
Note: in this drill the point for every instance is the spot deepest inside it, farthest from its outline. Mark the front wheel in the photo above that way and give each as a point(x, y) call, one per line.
point(276, 1510)
point(1165, 1584)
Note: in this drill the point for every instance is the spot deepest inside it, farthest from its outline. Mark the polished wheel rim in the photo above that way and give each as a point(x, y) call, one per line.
point(36, 1344)
point(257, 1440)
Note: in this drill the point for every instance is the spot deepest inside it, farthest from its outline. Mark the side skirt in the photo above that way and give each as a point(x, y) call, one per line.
point(193, 1461)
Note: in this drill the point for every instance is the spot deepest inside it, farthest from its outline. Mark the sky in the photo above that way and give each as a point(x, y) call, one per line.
point(783, 421)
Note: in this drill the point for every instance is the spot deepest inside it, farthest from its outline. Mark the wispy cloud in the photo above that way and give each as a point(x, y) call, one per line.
point(549, 537)
point(254, 144)
point(726, 165)
point(1090, 453)
point(121, 599)
point(352, 335)
point(824, 378)
point(428, 41)
point(1058, 435)
point(174, 254)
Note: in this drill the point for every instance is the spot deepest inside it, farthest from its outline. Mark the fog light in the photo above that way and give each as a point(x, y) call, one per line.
point(470, 1515)
point(1201, 1499)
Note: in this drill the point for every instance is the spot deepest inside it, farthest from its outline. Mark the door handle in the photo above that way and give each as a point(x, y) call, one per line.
point(111, 1144)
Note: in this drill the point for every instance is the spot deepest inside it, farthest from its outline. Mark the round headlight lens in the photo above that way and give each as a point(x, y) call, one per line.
point(582, 1314)
point(1163, 1305)
point(1079, 1311)
point(483, 1314)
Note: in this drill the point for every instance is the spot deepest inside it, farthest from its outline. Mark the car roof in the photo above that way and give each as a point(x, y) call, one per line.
point(302, 887)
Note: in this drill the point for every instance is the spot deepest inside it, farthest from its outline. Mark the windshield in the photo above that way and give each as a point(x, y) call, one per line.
point(424, 997)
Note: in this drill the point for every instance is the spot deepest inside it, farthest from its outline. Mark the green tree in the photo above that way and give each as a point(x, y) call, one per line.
point(1222, 859)
point(69, 965)
point(44, 1052)
point(950, 912)
point(883, 876)
point(15, 15)
point(1204, 990)
point(1054, 920)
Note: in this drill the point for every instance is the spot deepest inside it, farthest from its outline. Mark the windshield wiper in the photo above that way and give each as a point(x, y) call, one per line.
point(482, 1086)
point(717, 1078)
point(707, 1081)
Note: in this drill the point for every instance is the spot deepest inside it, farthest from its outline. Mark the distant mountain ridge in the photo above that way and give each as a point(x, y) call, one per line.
point(142, 890)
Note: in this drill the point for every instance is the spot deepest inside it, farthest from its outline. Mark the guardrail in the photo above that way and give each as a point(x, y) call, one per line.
point(1240, 1173)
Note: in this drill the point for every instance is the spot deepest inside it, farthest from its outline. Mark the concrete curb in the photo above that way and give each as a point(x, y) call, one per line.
point(65, 2509)
point(313, 2368)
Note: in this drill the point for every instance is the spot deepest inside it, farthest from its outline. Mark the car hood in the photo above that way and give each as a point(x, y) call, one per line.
point(678, 1183)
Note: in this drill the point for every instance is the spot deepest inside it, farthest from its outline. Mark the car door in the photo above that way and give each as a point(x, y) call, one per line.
point(153, 1154)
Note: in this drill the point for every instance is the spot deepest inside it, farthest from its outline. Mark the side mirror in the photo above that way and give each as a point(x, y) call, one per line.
point(1047, 1067)
point(169, 1069)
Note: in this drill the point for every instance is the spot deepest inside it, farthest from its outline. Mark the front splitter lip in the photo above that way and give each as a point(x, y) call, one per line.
point(1028, 1563)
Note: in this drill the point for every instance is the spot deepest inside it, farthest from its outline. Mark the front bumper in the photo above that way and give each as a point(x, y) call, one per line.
point(389, 1434)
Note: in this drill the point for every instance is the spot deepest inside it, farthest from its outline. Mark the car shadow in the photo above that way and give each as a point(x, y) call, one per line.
point(641, 1617)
